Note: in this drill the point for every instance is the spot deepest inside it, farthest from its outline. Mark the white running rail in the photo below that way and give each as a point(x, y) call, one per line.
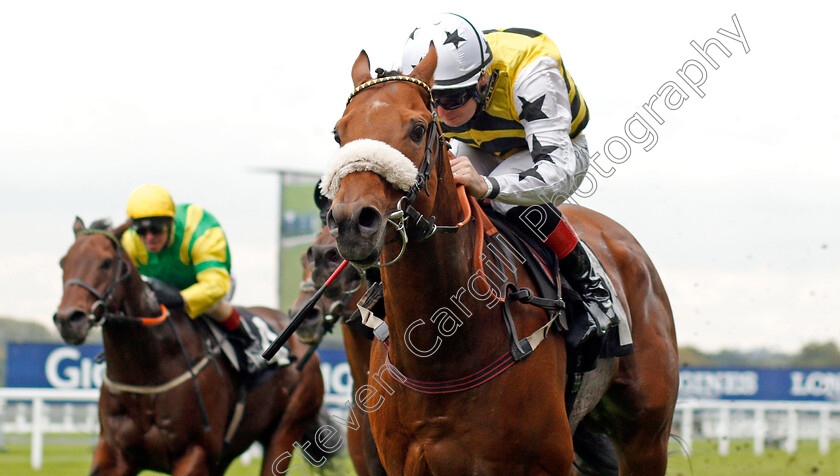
point(785, 422)
point(38, 425)
point(25, 411)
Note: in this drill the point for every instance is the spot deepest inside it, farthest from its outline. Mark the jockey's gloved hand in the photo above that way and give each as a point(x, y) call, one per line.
point(169, 296)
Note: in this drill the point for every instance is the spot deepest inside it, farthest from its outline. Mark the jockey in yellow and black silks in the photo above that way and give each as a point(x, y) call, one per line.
point(515, 120)
point(184, 247)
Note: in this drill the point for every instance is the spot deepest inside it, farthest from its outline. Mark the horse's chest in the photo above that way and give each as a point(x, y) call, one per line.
point(460, 444)
point(143, 422)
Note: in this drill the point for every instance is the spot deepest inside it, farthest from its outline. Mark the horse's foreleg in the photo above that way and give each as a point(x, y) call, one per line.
point(193, 463)
point(278, 451)
point(108, 462)
point(374, 465)
point(300, 414)
point(357, 449)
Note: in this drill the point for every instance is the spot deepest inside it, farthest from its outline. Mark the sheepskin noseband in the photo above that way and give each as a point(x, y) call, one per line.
point(369, 155)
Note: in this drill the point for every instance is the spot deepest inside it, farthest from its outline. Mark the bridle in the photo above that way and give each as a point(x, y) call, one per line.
point(519, 348)
point(435, 144)
point(99, 310)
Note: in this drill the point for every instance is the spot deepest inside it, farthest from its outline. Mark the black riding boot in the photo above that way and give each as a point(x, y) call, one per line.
point(577, 268)
point(248, 348)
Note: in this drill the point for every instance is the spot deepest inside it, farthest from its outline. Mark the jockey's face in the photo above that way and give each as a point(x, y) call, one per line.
point(154, 235)
point(155, 242)
point(458, 116)
point(465, 97)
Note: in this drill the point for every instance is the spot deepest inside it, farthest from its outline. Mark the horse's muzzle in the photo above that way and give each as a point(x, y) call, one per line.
point(312, 324)
point(358, 231)
point(73, 324)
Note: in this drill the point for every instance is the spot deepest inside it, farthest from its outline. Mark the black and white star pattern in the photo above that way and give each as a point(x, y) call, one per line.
point(532, 111)
point(541, 152)
point(453, 38)
point(532, 172)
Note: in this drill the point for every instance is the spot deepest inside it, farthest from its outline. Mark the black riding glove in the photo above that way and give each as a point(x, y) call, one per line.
point(167, 295)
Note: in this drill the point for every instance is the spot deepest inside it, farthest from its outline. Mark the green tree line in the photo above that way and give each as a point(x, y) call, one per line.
point(812, 355)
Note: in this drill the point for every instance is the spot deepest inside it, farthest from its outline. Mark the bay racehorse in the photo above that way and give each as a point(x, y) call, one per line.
point(339, 303)
point(440, 398)
point(168, 400)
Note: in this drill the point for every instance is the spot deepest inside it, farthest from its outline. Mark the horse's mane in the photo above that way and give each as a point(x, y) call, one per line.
point(101, 224)
point(105, 224)
point(382, 73)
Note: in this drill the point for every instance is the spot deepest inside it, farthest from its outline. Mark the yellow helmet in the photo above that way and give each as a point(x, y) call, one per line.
point(150, 201)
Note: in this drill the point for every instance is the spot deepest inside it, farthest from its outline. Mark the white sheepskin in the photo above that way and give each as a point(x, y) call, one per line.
point(369, 155)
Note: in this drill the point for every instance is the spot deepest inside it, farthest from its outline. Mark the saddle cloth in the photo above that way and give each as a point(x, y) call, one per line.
point(542, 266)
point(261, 331)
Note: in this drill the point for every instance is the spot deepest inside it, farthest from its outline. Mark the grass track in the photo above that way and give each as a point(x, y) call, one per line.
point(74, 460)
point(705, 461)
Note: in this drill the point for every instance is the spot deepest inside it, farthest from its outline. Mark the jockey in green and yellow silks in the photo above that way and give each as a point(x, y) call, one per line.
point(184, 247)
point(195, 258)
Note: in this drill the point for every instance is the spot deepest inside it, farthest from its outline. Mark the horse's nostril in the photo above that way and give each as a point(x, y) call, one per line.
point(77, 316)
point(369, 220)
point(331, 223)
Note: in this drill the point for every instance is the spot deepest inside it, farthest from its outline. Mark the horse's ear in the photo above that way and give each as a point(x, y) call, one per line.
point(118, 231)
point(323, 203)
point(425, 69)
point(78, 226)
point(361, 69)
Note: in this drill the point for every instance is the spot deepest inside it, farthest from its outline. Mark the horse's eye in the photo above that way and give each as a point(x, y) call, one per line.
point(333, 255)
point(418, 132)
point(107, 263)
point(336, 137)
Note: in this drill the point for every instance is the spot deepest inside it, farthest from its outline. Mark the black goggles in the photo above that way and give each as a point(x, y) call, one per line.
point(450, 99)
point(145, 226)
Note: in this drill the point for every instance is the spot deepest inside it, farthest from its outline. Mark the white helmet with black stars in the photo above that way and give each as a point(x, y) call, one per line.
point(462, 51)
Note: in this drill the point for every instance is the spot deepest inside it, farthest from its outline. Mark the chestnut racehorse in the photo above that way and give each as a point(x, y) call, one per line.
point(169, 398)
point(442, 338)
point(339, 302)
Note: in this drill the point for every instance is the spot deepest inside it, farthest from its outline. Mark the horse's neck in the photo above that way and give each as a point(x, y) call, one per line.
point(138, 354)
point(428, 294)
point(133, 349)
point(137, 299)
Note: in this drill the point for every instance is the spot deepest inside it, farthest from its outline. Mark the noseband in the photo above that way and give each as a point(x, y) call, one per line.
point(99, 309)
point(434, 150)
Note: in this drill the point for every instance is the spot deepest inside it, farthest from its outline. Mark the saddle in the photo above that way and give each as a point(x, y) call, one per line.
point(247, 364)
point(565, 306)
point(542, 266)
point(253, 368)
point(501, 243)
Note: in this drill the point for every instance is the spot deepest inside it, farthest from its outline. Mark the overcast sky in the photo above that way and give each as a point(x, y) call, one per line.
point(736, 202)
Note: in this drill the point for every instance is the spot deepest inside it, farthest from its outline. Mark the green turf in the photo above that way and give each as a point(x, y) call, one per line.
point(292, 275)
point(74, 460)
point(298, 196)
point(67, 460)
point(705, 460)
